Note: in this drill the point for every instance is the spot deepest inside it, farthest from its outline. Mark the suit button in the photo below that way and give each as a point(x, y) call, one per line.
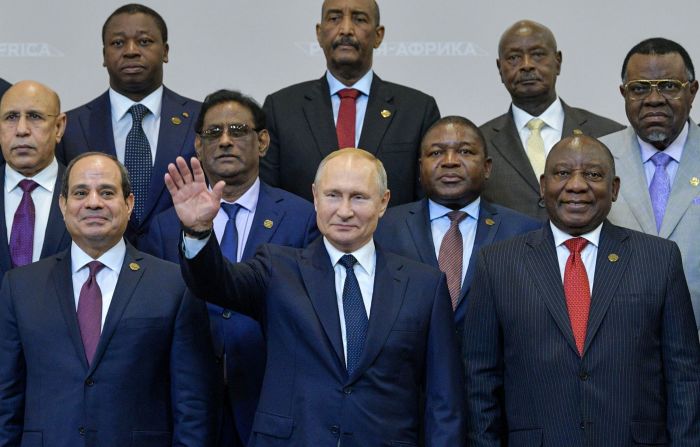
point(81, 430)
point(89, 382)
point(226, 314)
point(334, 429)
point(582, 426)
point(583, 375)
point(541, 203)
point(347, 390)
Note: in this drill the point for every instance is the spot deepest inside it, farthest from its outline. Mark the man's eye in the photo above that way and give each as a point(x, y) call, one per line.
point(12, 116)
point(33, 116)
point(117, 43)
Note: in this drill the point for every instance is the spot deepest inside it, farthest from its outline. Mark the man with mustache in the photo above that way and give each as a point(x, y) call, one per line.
point(518, 141)
point(659, 155)
point(350, 106)
point(138, 120)
point(31, 226)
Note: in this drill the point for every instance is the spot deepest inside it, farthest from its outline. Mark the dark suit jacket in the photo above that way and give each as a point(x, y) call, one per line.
point(512, 182)
point(307, 397)
point(150, 383)
point(302, 131)
point(56, 238)
point(89, 128)
point(405, 230)
point(238, 336)
point(4, 85)
point(638, 381)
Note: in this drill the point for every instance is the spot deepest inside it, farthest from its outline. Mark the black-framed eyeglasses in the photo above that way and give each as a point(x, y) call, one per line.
point(234, 130)
point(641, 88)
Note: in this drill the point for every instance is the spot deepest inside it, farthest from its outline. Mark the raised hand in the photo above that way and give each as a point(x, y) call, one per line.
point(195, 204)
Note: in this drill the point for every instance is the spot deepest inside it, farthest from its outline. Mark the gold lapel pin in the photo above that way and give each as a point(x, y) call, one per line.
point(489, 221)
point(612, 257)
point(185, 114)
point(695, 181)
point(385, 113)
point(176, 120)
point(578, 132)
point(134, 266)
point(267, 224)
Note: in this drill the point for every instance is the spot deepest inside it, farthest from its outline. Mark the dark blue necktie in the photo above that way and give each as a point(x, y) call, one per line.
point(229, 242)
point(356, 321)
point(137, 160)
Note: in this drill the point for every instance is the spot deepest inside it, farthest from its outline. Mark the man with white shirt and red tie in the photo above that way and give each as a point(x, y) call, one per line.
point(31, 123)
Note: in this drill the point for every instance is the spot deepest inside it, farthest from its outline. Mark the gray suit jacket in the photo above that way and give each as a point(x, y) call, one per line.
point(513, 183)
point(681, 222)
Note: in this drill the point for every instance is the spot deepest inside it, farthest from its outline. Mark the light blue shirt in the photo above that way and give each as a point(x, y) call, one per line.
point(244, 218)
point(588, 254)
point(363, 85)
point(440, 223)
point(674, 150)
point(122, 121)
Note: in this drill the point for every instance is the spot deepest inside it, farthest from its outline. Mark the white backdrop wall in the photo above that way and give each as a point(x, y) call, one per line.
point(446, 48)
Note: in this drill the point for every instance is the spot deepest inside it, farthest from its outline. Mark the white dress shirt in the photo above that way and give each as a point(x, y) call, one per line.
point(41, 196)
point(440, 223)
point(122, 121)
point(363, 85)
point(588, 254)
point(674, 150)
point(248, 202)
point(106, 278)
point(553, 127)
point(364, 271)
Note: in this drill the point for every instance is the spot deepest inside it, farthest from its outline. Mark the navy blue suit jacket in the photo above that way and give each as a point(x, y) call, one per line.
point(151, 382)
point(4, 85)
point(405, 230)
point(89, 128)
point(56, 238)
point(307, 398)
point(638, 381)
point(293, 223)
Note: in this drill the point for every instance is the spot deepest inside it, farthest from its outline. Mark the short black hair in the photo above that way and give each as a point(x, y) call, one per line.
point(136, 8)
point(375, 10)
point(126, 183)
point(460, 121)
point(224, 96)
point(659, 45)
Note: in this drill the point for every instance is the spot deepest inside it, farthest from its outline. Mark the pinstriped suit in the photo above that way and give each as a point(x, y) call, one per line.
point(638, 381)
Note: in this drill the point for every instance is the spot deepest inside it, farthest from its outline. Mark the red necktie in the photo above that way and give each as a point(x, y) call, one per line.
point(345, 127)
point(577, 290)
point(450, 255)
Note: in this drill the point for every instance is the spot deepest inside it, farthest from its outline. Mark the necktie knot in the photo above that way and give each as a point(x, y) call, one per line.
point(138, 111)
point(231, 209)
point(27, 185)
point(348, 93)
point(94, 267)
point(456, 217)
point(575, 245)
point(347, 261)
point(661, 159)
point(535, 124)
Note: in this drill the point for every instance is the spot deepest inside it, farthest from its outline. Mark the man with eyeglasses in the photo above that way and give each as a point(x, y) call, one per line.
point(231, 139)
point(31, 227)
point(658, 157)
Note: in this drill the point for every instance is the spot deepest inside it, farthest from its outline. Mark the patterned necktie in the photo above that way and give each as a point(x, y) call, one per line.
point(356, 320)
point(660, 187)
point(577, 291)
point(535, 146)
point(451, 254)
point(345, 127)
point(229, 241)
point(137, 160)
point(22, 232)
point(90, 311)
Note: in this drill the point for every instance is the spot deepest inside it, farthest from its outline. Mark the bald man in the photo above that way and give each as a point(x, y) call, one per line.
point(31, 124)
point(518, 141)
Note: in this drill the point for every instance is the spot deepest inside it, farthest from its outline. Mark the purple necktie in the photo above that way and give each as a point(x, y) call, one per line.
point(90, 311)
point(22, 233)
point(660, 187)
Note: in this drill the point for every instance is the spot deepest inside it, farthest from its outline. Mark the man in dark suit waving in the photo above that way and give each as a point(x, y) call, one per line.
point(349, 106)
point(353, 332)
point(581, 333)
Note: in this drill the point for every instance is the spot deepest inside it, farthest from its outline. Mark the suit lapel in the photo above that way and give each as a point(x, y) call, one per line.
point(55, 228)
point(318, 112)
point(507, 143)
point(377, 120)
point(266, 221)
point(99, 122)
point(5, 258)
point(418, 223)
point(542, 262)
point(572, 120)
point(486, 229)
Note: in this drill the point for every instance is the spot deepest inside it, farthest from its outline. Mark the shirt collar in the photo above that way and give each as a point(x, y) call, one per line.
point(249, 199)
point(112, 258)
point(120, 104)
point(363, 84)
point(553, 117)
point(46, 178)
point(560, 237)
point(365, 255)
point(437, 211)
point(674, 150)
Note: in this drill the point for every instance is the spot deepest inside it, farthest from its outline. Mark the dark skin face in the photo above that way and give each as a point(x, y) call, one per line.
point(529, 63)
point(656, 119)
point(578, 185)
point(453, 165)
point(348, 34)
point(134, 54)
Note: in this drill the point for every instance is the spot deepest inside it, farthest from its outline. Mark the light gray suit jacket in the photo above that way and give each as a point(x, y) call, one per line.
point(681, 222)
